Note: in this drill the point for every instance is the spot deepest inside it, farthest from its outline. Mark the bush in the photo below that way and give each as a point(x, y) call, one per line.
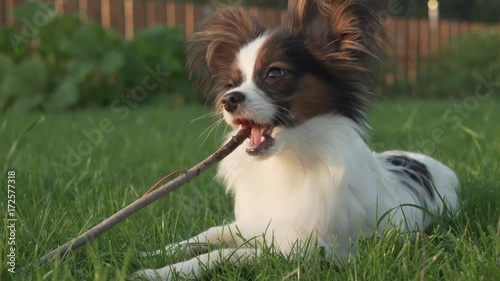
point(468, 62)
point(162, 48)
point(69, 63)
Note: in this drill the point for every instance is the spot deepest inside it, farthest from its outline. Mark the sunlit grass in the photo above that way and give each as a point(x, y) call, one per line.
point(56, 202)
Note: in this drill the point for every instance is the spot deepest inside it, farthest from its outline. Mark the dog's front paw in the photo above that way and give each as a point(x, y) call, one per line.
point(153, 274)
point(169, 250)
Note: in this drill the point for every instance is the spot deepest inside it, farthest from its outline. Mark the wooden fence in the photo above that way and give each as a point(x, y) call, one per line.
point(410, 40)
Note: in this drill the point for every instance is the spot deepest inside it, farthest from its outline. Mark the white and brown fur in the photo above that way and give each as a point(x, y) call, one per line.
point(304, 86)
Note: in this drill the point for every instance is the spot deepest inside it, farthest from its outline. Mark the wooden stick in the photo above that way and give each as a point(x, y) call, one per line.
point(165, 189)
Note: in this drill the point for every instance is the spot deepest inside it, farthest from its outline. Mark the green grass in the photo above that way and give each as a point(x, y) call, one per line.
point(55, 205)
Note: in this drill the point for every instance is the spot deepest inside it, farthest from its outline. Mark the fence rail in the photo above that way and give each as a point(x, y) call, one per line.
point(410, 39)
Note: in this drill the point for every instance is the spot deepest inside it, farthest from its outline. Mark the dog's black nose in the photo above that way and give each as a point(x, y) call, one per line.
point(232, 100)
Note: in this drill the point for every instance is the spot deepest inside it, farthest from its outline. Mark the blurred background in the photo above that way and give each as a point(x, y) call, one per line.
point(67, 54)
point(96, 106)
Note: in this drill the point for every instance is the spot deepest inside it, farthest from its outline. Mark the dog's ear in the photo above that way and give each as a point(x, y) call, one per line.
point(349, 32)
point(300, 14)
point(211, 50)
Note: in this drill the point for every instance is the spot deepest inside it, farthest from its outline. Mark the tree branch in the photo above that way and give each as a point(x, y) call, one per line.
point(165, 189)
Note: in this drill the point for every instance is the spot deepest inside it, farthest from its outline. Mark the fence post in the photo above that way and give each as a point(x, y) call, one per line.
point(170, 14)
point(417, 59)
point(129, 19)
point(105, 13)
point(188, 19)
point(3, 12)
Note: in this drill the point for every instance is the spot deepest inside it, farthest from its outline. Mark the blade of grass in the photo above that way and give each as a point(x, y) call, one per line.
point(18, 139)
point(135, 206)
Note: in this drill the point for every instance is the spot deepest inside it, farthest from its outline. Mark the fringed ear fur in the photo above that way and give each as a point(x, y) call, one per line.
point(346, 32)
point(211, 51)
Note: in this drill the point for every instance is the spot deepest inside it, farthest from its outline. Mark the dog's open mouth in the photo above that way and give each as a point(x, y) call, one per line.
point(260, 136)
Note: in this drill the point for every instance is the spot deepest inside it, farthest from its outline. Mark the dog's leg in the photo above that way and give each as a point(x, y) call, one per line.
point(226, 234)
point(193, 268)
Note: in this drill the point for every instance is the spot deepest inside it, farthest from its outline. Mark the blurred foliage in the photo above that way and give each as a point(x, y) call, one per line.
point(60, 62)
point(469, 64)
point(66, 63)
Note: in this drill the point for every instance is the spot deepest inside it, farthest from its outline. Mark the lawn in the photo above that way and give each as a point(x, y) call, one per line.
point(72, 170)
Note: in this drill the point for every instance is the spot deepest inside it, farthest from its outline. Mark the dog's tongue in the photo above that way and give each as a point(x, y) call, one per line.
point(256, 136)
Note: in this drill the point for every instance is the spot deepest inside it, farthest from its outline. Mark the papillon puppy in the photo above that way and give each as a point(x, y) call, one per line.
point(305, 176)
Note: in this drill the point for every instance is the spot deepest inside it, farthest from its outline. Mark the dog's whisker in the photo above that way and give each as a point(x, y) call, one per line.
point(204, 116)
point(306, 177)
point(210, 129)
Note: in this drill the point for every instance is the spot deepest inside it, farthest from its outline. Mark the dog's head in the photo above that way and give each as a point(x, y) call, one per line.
point(319, 61)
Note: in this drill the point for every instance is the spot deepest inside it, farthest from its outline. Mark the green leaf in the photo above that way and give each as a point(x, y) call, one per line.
point(6, 66)
point(112, 62)
point(78, 71)
point(65, 95)
point(34, 14)
point(22, 86)
point(31, 74)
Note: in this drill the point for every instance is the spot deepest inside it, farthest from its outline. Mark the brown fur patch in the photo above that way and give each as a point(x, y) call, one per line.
point(329, 50)
point(212, 50)
point(312, 97)
point(347, 33)
point(236, 77)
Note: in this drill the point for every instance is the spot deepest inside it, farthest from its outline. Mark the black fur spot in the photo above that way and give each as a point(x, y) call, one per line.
point(415, 170)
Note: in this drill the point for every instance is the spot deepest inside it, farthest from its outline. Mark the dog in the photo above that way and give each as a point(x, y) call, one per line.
point(305, 176)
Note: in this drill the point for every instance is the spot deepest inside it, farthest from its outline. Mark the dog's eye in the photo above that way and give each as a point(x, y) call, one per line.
point(229, 86)
point(275, 72)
